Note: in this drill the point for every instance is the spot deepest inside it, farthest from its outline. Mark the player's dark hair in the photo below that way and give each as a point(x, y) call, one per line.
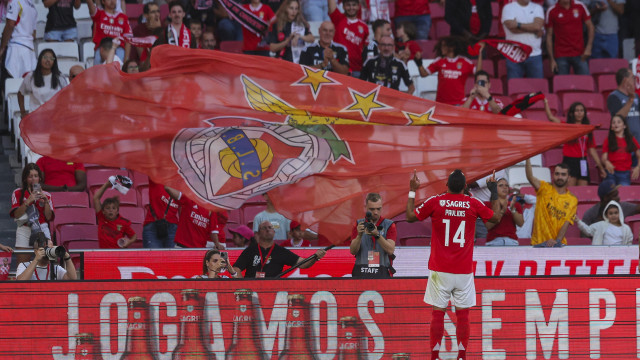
point(373, 197)
point(457, 181)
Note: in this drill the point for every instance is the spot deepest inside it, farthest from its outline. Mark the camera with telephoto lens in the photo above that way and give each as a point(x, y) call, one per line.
point(54, 252)
point(368, 223)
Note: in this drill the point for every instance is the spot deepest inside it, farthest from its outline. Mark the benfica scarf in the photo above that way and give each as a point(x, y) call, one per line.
point(143, 42)
point(522, 103)
point(183, 39)
point(245, 17)
point(512, 50)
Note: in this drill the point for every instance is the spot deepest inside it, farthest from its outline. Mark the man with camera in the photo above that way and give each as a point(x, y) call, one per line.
point(373, 242)
point(480, 97)
point(42, 266)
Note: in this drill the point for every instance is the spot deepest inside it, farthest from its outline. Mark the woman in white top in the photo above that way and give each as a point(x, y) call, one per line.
point(41, 84)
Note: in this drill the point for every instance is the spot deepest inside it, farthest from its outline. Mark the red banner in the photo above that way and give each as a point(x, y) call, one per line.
point(516, 318)
point(512, 50)
point(222, 128)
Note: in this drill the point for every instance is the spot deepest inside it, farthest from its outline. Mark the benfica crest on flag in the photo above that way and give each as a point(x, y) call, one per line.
point(224, 127)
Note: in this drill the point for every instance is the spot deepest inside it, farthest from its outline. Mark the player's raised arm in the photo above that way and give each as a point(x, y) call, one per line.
point(414, 184)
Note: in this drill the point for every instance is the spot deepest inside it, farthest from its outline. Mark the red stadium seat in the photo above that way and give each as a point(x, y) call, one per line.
point(437, 11)
point(256, 200)
point(592, 101)
point(635, 228)
point(134, 214)
point(577, 240)
point(235, 217)
point(573, 83)
point(249, 212)
point(427, 48)
point(506, 100)
point(143, 196)
point(416, 242)
point(524, 242)
point(539, 115)
point(606, 66)
point(97, 177)
point(552, 157)
point(82, 244)
point(586, 194)
point(164, 11)
point(487, 65)
point(128, 199)
point(134, 11)
point(501, 68)
point(582, 208)
point(601, 118)
point(442, 28)
point(520, 87)
point(599, 136)
point(138, 244)
point(606, 84)
point(72, 232)
point(496, 86)
point(528, 190)
point(139, 179)
point(231, 46)
point(419, 229)
point(572, 232)
point(74, 216)
point(70, 199)
point(629, 193)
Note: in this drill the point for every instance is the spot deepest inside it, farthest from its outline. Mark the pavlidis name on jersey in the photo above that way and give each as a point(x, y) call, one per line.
point(455, 204)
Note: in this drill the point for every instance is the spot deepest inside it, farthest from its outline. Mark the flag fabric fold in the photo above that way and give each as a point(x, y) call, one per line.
point(512, 50)
point(224, 127)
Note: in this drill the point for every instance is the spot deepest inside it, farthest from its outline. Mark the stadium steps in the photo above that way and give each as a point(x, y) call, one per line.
point(9, 167)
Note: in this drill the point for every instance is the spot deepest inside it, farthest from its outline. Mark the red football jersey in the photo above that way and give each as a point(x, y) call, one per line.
point(251, 40)
point(196, 224)
point(15, 203)
point(57, 172)
point(107, 25)
point(567, 28)
point(158, 200)
point(453, 227)
point(353, 35)
point(110, 231)
point(452, 76)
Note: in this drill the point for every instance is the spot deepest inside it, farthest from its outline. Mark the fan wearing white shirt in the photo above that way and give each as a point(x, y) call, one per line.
point(41, 84)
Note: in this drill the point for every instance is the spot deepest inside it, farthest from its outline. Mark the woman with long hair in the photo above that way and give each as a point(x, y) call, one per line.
point(289, 32)
point(31, 208)
point(617, 150)
point(574, 153)
point(41, 84)
point(214, 265)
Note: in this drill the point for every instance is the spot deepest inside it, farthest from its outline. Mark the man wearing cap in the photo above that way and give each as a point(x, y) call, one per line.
point(373, 245)
point(295, 236)
point(607, 191)
point(242, 236)
point(266, 259)
point(555, 207)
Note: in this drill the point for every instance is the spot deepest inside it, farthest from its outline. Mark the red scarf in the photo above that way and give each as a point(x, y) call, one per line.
point(183, 38)
point(512, 50)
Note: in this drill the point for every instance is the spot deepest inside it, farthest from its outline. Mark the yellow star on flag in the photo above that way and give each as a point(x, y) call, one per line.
point(315, 78)
point(365, 103)
point(422, 119)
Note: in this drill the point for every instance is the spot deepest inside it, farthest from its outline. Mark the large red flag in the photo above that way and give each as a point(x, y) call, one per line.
point(224, 127)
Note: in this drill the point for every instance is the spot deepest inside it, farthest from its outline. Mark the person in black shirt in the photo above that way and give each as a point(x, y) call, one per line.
point(267, 259)
point(385, 69)
point(61, 26)
point(325, 54)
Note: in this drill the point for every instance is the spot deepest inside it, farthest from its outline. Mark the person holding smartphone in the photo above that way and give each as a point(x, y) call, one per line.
point(480, 97)
point(215, 265)
point(31, 208)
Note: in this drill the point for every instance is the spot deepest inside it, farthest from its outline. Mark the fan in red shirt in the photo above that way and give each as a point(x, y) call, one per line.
point(406, 46)
point(198, 227)
point(480, 97)
point(453, 69)
point(453, 217)
point(350, 31)
point(254, 44)
point(114, 231)
point(565, 37)
point(160, 207)
point(109, 23)
point(504, 232)
point(296, 239)
point(62, 175)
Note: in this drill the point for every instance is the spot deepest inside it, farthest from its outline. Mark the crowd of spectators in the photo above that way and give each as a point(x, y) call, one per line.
point(572, 31)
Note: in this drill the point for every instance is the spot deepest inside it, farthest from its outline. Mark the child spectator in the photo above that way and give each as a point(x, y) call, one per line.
point(295, 239)
point(453, 69)
point(114, 231)
point(242, 236)
point(108, 23)
point(196, 33)
point(406, 46)
point(41, 84)
point(575, 152)
point(611, 231)
point(290, 32)
point(254, 44)
point(617, 150)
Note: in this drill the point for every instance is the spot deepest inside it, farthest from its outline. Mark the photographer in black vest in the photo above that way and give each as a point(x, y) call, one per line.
point(373, 242)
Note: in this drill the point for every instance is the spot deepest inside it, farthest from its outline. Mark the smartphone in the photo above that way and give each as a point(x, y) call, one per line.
point(224, 255)
point(37, 188)
point(482, 83)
